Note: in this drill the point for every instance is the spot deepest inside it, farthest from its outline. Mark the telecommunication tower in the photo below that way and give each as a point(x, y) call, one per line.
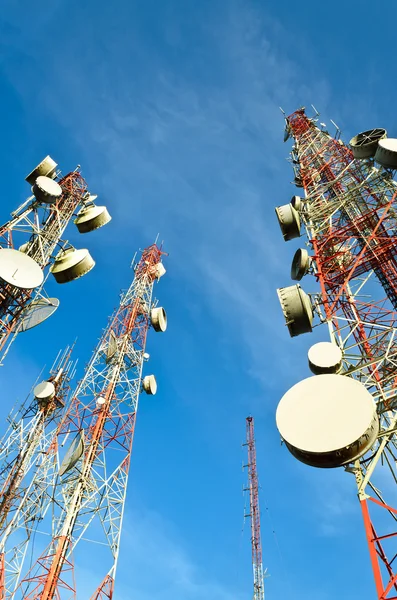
point(31, 247)
point(84, 472)
point(254, 514)
point(22, 449)
point(346, 416)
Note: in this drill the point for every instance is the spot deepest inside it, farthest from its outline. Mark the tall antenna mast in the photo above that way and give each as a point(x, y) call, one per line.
point(346, 416)
point(91, 451)
point(31, 246)
point(254, 514)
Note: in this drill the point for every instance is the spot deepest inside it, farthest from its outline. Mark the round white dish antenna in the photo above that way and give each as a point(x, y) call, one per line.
point(386, 153)
point(100, 401)
point(71, 264)
point(289, 221)
point(324, 357)
point(300, 264)
point(47, 190)
point(90, 218)
point(158, 318)
point(47, 168)
point(297, 309)
point(38, 311)
point(146, 356)
point(149, 384)
point(328, 420)
point(364, 144)
point(23, 247)
point(19, 270)
point(158, 270)
point(44, 392)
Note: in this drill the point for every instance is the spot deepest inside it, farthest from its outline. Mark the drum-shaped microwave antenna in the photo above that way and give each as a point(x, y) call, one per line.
point(20, 270)
point(297, 309)
point(364, 144)
point(325, 357)
point(46, 190)
point(73, 455)
point(289, 221)
point(47, 168)
point(300, 264)
point(92, 217)
point(157, 270)
point(112, 346)
point(44, 392)
point(328, 420)
point(386, 153)
point(38, 311)
point(158, 318)
point(149, 384)
point(71, 264)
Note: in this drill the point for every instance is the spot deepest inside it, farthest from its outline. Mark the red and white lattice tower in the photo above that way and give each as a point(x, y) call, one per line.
point(31, 242)
point(348, 212)
point(254, 514)
point(86, 465)
point(23, 448)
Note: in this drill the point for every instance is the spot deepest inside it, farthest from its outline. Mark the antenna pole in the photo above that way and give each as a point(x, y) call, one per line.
point(89, 492)
point(253, 487)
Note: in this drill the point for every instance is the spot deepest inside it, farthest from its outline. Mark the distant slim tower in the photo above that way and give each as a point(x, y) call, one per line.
point(31, 242)
point(254, 514)
point(346, 416)
point(89, 457)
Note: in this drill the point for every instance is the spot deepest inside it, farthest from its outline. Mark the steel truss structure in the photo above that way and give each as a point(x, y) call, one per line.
point(22, 452)
point(349, 213)
point(38, 227)
point(83, 474)
point(254, 514)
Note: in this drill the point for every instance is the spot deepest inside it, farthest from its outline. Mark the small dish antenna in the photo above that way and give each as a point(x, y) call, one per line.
point(297, 309)
point(20, 270)
point(71, 264)
point(44, 392)
point(386, 153)
point(300, 264)
point(38, 311)
point(289, 221)
point(364, 144)
point(324, 357)
point(46, 190)
point(73, 455)
point(149, 385)
point(158, 318)
point(92, 217)
point(46, 168)
point(112, 347)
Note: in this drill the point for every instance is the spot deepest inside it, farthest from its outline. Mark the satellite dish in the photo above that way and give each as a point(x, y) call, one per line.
point(90, 218)
point(364, 144)
point(158, 318)
point(146, 356)
point(149, 384)
point(44, 392)
point(47, 190)
point(325, 357)
point(289, 221)
point(112, 347)
point(47, 167)
point(19, 270)
point(300, 264)
point(328, 420)
point(157, 270)
point(386, 153)
point(73, 455)
point(71, 264)
point(297, 309)
point(38, 311)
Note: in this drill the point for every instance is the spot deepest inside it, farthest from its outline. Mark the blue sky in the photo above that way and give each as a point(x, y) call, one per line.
point(171, 108)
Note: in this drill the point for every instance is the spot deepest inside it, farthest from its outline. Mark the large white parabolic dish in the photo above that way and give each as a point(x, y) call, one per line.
point(328, 420)
point(20, 270)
